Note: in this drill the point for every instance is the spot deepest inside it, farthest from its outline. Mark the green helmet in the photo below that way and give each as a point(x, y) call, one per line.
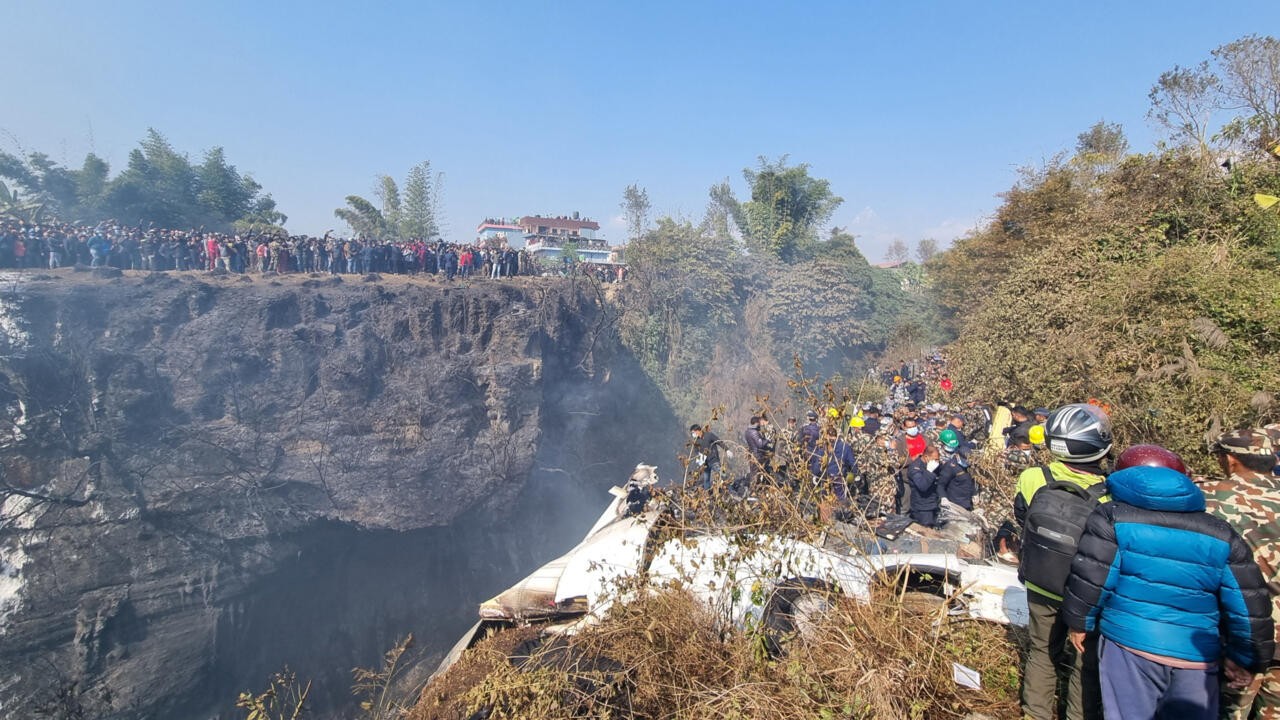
point(949, 439)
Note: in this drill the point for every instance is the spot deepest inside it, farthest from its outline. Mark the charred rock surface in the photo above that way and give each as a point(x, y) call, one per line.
point(208, 478)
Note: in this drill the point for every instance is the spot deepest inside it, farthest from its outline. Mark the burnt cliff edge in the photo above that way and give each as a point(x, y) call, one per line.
point(206, 478)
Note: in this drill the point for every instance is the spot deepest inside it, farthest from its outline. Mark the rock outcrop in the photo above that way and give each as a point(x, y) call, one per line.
point(208, 478)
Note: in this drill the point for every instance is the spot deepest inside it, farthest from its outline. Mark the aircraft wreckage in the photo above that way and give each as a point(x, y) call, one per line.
point(776, 574)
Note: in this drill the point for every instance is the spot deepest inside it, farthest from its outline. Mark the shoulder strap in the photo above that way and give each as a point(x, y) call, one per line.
point(1048, 476)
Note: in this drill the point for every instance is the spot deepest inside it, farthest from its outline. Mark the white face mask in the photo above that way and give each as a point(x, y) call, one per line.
point(932, 465)
point(913, 431)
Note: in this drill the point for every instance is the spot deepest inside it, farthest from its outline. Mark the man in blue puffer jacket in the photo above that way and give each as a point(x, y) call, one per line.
point(1173, 591)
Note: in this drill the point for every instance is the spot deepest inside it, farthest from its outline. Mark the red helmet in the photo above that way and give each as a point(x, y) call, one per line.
point(1151, 456)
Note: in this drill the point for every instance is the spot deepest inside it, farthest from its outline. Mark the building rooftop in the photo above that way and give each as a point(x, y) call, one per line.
point(498, 224)
point(568, 223)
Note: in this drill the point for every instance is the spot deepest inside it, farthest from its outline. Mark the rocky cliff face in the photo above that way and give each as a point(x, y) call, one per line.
point(208, 478)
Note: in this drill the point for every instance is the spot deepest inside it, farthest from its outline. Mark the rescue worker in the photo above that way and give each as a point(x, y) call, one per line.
point(859, 442)
point(1079, 437)
point(883, 459)
point(1249, 500)
point(912, 437)
point(810, 434)
point(1019, 426)
point(759, 447)
point(921, 475)
point(999, 423)
point(704, 455)
point(871, 422)
point(1019, 456)
point(977, 419)
point(833, 465)
point(954, 481)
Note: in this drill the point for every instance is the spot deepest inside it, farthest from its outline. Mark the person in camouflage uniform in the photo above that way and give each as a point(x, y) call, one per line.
point(1019, 456)
point(977, 419)
point(860, 442)
point(1273, 431)
point(884, 457)
point(933, 427)
point(1249, 499)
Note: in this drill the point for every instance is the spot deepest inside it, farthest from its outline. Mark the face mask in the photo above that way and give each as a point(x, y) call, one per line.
point(932, 465)
point(913, 431)
point(693, 435)
point(962, 462)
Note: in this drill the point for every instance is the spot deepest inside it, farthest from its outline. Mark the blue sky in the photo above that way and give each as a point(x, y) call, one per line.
point(918, 113)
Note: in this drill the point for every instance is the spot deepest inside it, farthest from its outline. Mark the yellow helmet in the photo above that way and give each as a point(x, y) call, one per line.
point(833, 412)
point(897, 378)
point(1037, 434)
point(856, 422)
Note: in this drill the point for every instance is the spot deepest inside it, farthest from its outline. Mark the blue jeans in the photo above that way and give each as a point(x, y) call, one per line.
point(1135, 687)
point(707, 472)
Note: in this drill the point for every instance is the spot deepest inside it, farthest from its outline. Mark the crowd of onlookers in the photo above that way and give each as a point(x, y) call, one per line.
point(1151, 592)
point(52, 245)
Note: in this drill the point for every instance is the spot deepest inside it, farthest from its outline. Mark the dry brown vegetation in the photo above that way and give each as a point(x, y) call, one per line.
point(664, 656)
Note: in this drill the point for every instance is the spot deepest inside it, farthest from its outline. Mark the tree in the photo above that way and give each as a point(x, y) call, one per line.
point(1243, 78)
point(1182, 101)
point(926, 248)
point(440, 221)
point(635, 208)
point(224, 195)
point(821, 309)
point(91, 186)
point(389, 195)
point(363, 217)
point(417, 219)
point(569, 251)
point(415, 214)
point(684, 290)
point(1249, 82)
point(723, 212)
point(263, 216)
point(1102, 143)
point(786, 208)
point(897, 252)
point(43, 183)
point(159, 185)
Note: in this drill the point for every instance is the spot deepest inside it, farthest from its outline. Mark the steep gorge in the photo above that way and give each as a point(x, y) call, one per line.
point(208, 478)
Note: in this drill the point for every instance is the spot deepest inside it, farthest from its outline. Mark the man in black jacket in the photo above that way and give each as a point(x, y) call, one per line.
point(954, 481)
point(923, 481)
point(704, 454)
point(759, 446)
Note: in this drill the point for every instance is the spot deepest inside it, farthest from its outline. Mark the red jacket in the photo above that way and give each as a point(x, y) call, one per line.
point(915, 446)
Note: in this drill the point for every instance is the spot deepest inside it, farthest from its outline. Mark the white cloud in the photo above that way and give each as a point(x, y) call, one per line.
point(949, 229)
point(865, 216)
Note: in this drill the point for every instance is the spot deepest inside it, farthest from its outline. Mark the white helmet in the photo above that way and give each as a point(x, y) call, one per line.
point(1078, 433)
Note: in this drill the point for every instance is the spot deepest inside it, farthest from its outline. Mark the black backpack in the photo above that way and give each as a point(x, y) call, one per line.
point(1054, 523)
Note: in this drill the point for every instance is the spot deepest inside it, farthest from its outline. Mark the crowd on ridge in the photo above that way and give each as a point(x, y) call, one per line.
point(1151, 593)
point(52, 245)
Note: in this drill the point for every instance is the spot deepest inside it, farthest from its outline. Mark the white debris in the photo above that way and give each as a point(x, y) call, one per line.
point(966, 676)
point(12, 560)
point(13, 330)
